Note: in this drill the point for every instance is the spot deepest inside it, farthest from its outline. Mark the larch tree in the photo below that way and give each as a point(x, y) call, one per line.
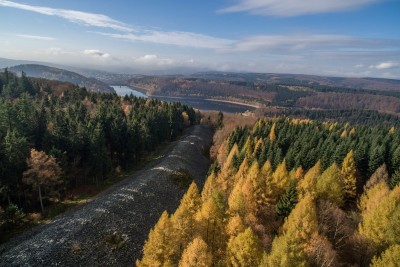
point(224, 180)
point(330, 185)
point(157, 250)
point(302, 222)
point(183, 220)
point(196, 254)
point(389, 258)
point(210, 186)
point(244, 250)
point(349, 174)
point(280, 179)
point(210, 225)
point(376, 224)
point(43, 171)
point(308, 183)
point(272, 133)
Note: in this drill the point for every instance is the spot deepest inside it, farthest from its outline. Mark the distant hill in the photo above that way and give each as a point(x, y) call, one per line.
point(301, 79)
point(280, 90)
point(51, 73)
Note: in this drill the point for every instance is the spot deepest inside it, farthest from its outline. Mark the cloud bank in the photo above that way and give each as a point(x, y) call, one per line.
point(289, 8)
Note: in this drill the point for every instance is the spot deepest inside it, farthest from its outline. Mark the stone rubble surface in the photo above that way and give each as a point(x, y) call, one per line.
point(111, 229)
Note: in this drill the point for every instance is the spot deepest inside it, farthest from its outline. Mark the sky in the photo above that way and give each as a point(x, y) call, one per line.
point(356, 38)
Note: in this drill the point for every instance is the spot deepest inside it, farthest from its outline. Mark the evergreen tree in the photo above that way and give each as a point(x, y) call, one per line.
point(287, 202)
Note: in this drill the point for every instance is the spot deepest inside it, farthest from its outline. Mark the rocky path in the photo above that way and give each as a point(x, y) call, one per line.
point(111, 229)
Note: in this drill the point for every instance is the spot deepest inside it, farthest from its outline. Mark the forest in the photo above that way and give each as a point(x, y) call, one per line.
point(55, 137)
point(289, 192)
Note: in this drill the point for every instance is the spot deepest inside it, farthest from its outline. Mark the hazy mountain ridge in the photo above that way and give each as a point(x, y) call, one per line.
point(52, 73)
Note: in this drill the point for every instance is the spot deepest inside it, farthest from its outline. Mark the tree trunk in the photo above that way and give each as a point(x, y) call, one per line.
point(40, 199)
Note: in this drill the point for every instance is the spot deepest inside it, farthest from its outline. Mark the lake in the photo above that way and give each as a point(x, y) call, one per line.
point(125, 90)
point(197, 103)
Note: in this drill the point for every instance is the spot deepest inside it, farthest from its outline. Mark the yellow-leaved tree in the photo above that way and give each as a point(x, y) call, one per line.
point(43, 171)
point(349, 174)
point(244, 250)
point(380, 223)
point(158, 249)
point(183, 220)
point(307, 185)
point(389, 258)
point(299, 229)
point(196, 254)
point(330, 185)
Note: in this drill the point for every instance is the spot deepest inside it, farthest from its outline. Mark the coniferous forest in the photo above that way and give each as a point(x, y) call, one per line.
point(54, 137)
point(290, 192)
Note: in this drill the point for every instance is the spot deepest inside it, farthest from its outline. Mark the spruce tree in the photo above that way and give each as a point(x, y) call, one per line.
point(287, 202)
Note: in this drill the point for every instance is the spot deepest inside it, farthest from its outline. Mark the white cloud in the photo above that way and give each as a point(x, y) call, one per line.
point(79, 17)
point(385, 65)
point(35, 37)
point(359, 66)
point(96, 53)
point(177, 38)
point(297, 44)
point(287, 8)
point(154, 60)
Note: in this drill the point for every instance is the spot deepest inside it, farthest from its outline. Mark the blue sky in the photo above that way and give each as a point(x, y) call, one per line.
point(325, 37)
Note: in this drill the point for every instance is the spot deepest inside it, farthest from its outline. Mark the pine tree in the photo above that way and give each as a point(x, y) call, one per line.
point(244, 250)
point(287, 202)
point(196, 254)
point(43, 171)
point(395, 179)
point(349, 176)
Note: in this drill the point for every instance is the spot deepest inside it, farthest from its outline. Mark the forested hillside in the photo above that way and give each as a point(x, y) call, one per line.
point(290, 192)
point(287, 93)
point(55, 139)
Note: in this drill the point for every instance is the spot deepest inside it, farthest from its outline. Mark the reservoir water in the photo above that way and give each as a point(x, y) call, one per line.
point(197, 103)
point(125, 90)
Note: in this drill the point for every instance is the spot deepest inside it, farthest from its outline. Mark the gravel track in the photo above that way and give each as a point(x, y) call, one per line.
point(111, 229)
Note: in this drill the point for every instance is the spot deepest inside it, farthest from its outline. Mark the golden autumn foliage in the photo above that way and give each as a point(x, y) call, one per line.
point(157, 250)
point(330, 185)
point(244, 250)
point(389, 258)
point(349, 174)
point(196, 254)
point(308, 184)
point(377, 223)
point(237, 219)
